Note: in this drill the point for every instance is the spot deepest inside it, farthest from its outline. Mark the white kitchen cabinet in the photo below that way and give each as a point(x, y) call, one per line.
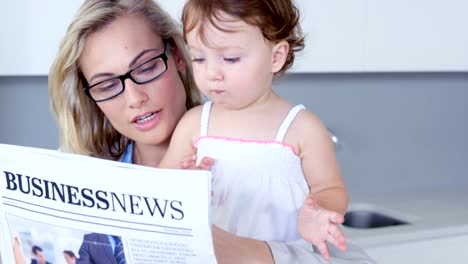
point(416, 35)
point(384, 36)
point(31, 32)
point(334, 36)
point(450, 249)
point(341, 36)
point(173, 7)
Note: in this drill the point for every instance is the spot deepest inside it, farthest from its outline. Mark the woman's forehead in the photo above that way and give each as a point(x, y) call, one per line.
point(117, 44)
point(128, 31)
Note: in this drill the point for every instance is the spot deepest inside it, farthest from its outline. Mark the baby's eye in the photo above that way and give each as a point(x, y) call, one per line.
point(232, 60)
point(198, 60)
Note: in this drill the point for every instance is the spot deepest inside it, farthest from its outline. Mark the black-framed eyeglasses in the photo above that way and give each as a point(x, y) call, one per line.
point(141, 74)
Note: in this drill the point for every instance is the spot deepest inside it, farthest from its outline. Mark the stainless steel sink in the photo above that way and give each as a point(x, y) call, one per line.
point(370, 219)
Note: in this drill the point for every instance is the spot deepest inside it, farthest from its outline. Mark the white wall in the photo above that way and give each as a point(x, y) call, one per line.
point(399, 131)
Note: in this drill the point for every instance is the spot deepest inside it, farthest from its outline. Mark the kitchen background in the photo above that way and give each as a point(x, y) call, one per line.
point(388, 77)
point(398, 131)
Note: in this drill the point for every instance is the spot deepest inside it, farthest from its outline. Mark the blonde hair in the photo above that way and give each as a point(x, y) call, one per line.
point(83, 127)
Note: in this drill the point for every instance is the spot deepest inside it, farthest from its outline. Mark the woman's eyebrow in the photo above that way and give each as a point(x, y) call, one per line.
point(100, 75)
point(132, 63)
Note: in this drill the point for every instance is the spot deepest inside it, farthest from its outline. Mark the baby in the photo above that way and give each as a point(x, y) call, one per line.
point(275, 175)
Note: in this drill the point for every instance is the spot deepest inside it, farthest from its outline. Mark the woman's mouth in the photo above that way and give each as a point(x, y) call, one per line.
point(147, 121)
point(146, 118)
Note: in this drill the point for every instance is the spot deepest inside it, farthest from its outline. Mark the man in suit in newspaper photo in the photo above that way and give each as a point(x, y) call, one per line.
point(101, 249)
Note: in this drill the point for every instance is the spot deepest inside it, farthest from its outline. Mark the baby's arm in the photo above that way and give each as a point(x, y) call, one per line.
point(320, 165)
point(319, 162)
point(181, 148)
point(327, 201)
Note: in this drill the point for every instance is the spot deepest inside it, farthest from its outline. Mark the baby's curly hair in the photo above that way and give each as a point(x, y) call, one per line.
point(277, 19)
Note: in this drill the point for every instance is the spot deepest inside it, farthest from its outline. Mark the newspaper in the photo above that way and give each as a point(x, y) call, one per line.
point(100, 211)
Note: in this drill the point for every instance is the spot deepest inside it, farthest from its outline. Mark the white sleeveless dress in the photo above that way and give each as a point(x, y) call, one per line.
point(259, 186)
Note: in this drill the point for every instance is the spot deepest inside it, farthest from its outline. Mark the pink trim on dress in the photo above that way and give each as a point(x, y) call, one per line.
point(195, 143)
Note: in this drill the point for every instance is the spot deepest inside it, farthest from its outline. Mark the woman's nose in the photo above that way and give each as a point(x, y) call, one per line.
point(135, 94)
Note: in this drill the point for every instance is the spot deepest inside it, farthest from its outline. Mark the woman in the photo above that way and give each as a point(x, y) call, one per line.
point(104, 129)
point(118, 87)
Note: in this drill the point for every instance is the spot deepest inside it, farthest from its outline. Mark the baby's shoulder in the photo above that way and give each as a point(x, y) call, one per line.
point(306, 124)
point(193, 113)
point(307, 119)
point(188, 126)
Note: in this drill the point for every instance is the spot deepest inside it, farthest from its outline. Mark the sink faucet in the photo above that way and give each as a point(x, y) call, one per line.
point(334, 139)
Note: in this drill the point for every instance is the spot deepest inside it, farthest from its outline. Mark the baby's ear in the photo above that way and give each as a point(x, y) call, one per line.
point(280, 53)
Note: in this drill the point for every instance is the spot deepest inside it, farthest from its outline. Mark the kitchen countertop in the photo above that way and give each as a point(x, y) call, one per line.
point(430, 214)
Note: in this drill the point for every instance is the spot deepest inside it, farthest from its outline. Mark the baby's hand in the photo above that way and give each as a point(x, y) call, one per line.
point(318, 225)
point(190, 163)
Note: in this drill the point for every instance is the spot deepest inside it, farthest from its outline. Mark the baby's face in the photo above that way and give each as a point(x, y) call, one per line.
point(233, 67)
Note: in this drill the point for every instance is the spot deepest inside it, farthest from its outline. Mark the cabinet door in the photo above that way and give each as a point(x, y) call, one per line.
point(417, 35)
point(334, 36)
point(173, 7)
point(31, 32)
point(341, 36)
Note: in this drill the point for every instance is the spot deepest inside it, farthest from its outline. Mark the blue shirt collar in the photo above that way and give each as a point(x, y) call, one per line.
point(127, 156)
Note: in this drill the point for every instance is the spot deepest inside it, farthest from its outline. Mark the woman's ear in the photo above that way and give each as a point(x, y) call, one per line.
point(179, 61)
point(280, 54)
